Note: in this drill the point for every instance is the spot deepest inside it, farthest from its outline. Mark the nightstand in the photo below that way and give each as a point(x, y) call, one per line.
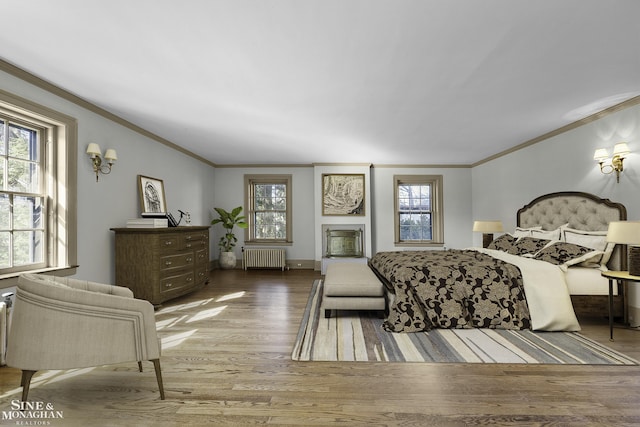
point(617, 276)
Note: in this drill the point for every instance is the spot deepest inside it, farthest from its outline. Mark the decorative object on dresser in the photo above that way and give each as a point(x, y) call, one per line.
point(487, 228)
point(228, 241)
point(159, 264)
point(151, 192)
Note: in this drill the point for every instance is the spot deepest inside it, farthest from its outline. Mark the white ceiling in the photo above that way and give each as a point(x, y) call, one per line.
point(314, 81)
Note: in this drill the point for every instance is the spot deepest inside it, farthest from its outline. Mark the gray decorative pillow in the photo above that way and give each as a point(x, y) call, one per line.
point(565, 254)
point(527, 246)
point(502, 243)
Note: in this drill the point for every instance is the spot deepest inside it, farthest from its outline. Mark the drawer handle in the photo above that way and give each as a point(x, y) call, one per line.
point(189, 259)
point(168, 243)
point(188, 245)
point(168, 263)
point(188, 237)
point(168, 285)
point(189, 279)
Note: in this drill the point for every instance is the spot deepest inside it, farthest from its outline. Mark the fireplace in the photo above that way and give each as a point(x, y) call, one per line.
point(344, 243)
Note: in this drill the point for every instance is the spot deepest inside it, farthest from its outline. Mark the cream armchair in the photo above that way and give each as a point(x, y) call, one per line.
point(64, 323)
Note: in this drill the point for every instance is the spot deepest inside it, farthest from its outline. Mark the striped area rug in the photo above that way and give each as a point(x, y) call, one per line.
point(358, 336)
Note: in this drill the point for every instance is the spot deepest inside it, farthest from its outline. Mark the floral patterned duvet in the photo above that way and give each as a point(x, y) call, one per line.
point(451, 289)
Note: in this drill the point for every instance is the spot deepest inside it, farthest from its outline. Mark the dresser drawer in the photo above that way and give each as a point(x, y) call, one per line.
point(179, 281)
point(202, 274)
point(194, 242)
point(202, 256)
point(170, 243)
point(169, 262)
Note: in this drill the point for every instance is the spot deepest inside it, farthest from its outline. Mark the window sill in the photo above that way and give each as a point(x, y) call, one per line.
point(267, 243)
point(11, 279)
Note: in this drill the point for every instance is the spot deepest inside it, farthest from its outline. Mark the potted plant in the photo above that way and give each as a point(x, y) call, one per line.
point(228, 240)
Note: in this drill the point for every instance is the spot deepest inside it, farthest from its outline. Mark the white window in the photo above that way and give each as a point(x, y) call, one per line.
point(37, 188)
point(418, 209)
point(268, 208)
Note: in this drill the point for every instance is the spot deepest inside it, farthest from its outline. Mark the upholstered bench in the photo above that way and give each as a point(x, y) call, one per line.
point(351, 286)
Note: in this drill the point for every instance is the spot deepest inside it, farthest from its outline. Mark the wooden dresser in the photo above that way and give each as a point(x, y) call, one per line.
point(159, 264)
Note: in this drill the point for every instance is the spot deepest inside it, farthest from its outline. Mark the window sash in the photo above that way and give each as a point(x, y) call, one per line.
point(23, 208)
point(268, 207)
point(418, 209)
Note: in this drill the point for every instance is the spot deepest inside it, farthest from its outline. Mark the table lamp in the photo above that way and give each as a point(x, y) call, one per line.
point(487, 228)
point(627, 233)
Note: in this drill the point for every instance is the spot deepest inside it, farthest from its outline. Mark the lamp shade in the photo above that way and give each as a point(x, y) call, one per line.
point(488, 226)
point(94, 149)
point(624, 232)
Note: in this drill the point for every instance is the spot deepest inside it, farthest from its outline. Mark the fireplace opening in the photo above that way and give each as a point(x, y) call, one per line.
point(344, 243)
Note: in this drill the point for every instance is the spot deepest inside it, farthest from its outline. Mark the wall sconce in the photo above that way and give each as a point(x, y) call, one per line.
point(487, 228)
point(627, 233)
point(93, 150)
point(607, 166)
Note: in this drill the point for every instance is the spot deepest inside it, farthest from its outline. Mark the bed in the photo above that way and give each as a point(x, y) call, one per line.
point(536, 278)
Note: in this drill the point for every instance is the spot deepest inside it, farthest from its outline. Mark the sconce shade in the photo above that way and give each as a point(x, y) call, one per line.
point(600, 155)
point(111, 155)
point(94, 149)
point(621, 150)
point(488, 226)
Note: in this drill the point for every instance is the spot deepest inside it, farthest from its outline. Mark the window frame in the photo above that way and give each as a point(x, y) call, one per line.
point(249, 182)
point(437, 215)
point(59, 180)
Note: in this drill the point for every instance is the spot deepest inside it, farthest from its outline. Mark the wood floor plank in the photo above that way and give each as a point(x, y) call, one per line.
point(227, 361)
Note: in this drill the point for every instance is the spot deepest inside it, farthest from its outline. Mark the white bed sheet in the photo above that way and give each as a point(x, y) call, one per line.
point(587, 281)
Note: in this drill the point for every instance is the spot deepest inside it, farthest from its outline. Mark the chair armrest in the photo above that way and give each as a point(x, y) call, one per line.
point(84, 285)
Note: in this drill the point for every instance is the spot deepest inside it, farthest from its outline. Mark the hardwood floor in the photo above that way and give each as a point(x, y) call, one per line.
point(226, 361)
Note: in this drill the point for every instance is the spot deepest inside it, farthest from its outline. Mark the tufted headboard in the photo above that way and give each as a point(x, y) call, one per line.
point(582, 211)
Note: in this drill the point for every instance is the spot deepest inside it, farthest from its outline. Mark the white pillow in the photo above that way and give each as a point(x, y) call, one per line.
point(549, 235)
point(524, 232)
point(591, 239)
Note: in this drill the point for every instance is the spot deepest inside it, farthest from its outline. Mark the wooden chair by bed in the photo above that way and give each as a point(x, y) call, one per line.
point(582, 211)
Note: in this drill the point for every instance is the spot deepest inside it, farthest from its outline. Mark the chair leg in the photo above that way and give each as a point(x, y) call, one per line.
point(139, 366)
point(25, 382)
point(156, 365)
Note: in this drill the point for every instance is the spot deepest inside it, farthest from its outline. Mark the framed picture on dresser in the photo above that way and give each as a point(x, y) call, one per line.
point(152, 199)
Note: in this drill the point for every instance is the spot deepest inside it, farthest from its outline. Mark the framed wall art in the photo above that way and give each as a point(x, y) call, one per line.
point(343, 194)
point(152, 198)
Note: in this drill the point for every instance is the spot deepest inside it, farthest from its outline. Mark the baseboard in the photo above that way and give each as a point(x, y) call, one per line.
point(301, 264)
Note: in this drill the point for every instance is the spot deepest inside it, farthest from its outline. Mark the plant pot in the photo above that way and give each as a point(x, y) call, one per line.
point(227, 260)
